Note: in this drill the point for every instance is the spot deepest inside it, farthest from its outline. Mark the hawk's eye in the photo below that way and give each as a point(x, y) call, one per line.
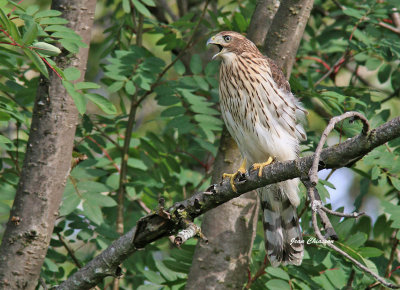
point(227, 38)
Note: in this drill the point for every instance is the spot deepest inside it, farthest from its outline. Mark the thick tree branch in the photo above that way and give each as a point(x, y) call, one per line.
point(154, 226)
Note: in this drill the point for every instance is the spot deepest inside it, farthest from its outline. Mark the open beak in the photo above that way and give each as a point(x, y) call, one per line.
point(214, 41)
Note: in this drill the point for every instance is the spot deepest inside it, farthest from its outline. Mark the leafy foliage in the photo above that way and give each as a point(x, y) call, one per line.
point(148, 73)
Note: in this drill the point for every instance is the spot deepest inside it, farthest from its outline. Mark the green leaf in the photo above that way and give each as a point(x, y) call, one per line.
point(37, 61)
point(69, 203)
point(72, 73)
point(13, 3)
point(116, 86)
point(30, 35)
point(46, 48)
point(141, 8)
point(6, 143)
point(47, 13)
point(278, 272)
point(167, 273)
point(396, 182)
point(78, 98)
point(70, 45)
point(277, 284)
point(179, 67)
point(150, 3)
point(196, 64)
point(369, 252)
point(67, 35)
point(240, 22)
point(372, 63)
point(130, 88)
point(153, 277)
point(173, 111)
point(86, 86)
point(13, 30)
point(384, 72)
point(137, 163)
point(357, 240)
point(92, 212)
point(4, 21)
point(53, 20)
point(103, 103)
point(126, 6)
point(352, 12)
point(100, 199)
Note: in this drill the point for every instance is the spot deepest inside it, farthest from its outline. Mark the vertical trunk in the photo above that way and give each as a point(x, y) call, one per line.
point(230, 228)
point(46, 165)
point(261, 21)
point(284, 35)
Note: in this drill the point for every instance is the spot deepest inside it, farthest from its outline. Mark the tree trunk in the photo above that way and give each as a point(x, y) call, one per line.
point(284, 36)
point(231, 227)
point(46, 165)
point(261, 21)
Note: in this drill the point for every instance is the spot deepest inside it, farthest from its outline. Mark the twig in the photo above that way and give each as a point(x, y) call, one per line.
point(392, 95)
point(16, 101)
point(260, 272)
point(318, 205)
point(166, 7)
point(43, 283)
point(311, 181)
point(396, 20)
point(139, 33)
point(190, 230)
point(105, 152)
point(143, 206)
point(332, 69)
point(390, 27)
point(69, 250)
point(330, 174)
point(392, 254)
point(106, 136)
point(351, 279)
point(314, 169)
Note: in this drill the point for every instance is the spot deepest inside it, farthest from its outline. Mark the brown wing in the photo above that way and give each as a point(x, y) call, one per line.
point(278, 75)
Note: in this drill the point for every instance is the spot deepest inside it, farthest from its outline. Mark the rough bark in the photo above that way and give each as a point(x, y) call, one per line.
point(155, 226)
point(261, 21)
point(46, 165)
point(230, 231)
point(286, 31)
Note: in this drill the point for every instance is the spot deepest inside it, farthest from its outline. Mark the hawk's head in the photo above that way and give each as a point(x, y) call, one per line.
point(230, 42)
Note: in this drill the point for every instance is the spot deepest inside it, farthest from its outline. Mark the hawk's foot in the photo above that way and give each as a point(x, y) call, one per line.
point(241, 170)
point(260, 166)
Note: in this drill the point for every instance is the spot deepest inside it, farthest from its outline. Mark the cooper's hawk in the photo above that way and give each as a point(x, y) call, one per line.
point(262, 116)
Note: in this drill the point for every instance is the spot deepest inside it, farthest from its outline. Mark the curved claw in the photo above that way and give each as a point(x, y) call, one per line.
point(260, 166)
point(232, 179)
point(232, 176)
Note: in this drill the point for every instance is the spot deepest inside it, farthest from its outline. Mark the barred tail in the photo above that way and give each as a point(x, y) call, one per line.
point(283, 239)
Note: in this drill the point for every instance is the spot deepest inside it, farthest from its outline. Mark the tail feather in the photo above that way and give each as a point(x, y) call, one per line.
point(283, 238)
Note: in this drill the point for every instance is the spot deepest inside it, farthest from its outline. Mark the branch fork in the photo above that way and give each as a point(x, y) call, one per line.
point(311, 181)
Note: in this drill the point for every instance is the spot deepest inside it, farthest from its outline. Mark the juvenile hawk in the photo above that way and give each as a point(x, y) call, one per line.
point(262, 116)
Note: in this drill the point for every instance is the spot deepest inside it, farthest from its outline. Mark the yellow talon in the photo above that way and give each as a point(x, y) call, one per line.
point(260, 166)
point(241, 170)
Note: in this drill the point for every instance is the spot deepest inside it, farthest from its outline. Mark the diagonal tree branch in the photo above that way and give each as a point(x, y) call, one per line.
point(155, 226)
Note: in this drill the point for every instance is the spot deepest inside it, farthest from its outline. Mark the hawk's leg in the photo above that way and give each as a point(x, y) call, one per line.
point(241, 170)
point(260, 166)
